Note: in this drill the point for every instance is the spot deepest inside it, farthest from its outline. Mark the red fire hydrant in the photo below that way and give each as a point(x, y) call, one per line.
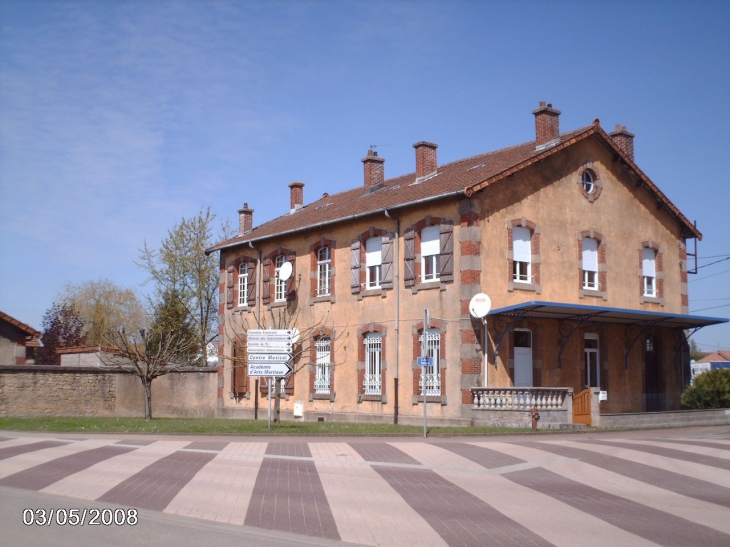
point(535, 417)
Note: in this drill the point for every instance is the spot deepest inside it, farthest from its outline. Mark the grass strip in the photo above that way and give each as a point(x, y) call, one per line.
point(217, 426)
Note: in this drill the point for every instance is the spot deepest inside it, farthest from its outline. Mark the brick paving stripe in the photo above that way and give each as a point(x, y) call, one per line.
point(491, 459)
point(157, 484)
point(139, 442)
point(11, 451)
point(670, 453)
point(646, 522)
point(696, 443)
point(460, 518)
point(207, 445)
point(382, 452)
point(295, 450)
point(668, 480)
point(5, 439)
point(45, 474)
point(288, 497)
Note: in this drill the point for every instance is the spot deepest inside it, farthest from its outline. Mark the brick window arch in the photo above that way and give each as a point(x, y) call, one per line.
point(589, 181)
point(592, 269)
point(371, 362)
point(651, 272)
point(523, 256)
point(438, 266)
point(358, 261)
point(322, 270)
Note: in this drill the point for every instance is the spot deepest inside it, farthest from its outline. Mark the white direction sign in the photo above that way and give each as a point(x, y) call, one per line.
point(253, 333)
point(268, 369)
point(268, 357)
point(268, 347)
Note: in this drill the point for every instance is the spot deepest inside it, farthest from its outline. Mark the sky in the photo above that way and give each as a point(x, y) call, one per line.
point(119, 118)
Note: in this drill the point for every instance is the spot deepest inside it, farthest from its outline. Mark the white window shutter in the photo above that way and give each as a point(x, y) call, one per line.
point(648, 263)
point(590, 254)
point(521, 248)
point(430, 241)
point(373, 252)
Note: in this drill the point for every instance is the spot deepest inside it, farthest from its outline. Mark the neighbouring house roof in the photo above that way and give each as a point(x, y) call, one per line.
point(462, 177)
point(30, 331)
point(721, 355)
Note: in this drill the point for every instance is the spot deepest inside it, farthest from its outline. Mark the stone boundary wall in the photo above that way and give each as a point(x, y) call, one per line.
point(31, 390)
point(676, 418)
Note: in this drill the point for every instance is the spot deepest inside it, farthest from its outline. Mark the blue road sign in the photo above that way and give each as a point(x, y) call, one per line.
point(424, 361)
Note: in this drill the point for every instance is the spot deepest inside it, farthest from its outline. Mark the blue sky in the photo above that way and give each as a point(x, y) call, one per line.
point(118, 118)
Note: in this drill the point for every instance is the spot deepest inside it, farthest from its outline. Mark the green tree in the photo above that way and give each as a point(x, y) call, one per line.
point(180, 268)
point(170, 316)
point(710, 389)
point(694, 351)
point(63, 327)
point(103, 305)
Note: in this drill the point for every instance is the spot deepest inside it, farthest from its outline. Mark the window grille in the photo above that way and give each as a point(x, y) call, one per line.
point(373, 382)
point(433, 372)
point(322, 378)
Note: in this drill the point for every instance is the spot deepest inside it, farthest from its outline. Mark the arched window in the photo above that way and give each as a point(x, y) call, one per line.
point(430, 253)
point(522, 255)
point(588, 182)
point(373, 262)
point(279, 283)
point(324, 271)
point(648, 270)
point(590, 264)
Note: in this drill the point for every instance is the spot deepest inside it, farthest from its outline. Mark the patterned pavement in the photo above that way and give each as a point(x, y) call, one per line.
point(632, 490)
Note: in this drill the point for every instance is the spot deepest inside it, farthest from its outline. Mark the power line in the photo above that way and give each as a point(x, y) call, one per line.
point(712, 308)
point(712, 256)
point(710, 299)
point(708, 276)
point(711, 263)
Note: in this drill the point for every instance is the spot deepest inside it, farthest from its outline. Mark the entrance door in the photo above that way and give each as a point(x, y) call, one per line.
point(523, 358)
point(593, 367)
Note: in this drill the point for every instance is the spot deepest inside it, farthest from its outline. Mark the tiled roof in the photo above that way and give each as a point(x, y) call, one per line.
point(722, 355)
point(20, 325)
point(465, 177)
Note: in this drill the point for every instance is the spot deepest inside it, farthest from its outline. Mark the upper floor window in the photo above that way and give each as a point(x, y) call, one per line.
point(324, 271)
point(648, 271)
point(588, 182)
point(373, 262)
point(279, 283)
point(243, 284)
point(522, 255)
point(590, 264)
point(430, 253)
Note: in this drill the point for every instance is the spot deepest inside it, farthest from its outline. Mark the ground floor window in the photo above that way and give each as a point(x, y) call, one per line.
point(373, 381)
point(432, 373)
point(322, 378)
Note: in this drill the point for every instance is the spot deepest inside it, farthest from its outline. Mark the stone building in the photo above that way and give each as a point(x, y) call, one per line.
point(18, 341)
point(583, 257)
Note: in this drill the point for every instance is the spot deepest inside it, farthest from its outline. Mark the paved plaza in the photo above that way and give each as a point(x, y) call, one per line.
point(641, 488)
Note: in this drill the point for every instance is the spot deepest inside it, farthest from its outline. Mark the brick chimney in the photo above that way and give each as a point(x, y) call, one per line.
point(624, 140)
point(547, 123)
point(374, 169)
point(297, 195)
point(245, 220)
point(425, 158)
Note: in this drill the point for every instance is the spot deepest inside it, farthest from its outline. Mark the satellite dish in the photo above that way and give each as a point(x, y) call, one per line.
point(294, 334)
point(479, 305)
point(285, 271)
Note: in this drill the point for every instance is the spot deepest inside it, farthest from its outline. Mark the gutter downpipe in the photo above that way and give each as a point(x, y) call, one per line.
point(397, 311)
point(258, 316)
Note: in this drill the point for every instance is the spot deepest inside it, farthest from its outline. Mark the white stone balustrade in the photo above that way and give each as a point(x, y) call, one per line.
point(519, 398)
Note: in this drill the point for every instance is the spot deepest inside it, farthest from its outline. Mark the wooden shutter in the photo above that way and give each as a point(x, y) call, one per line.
point(387, 262)
point(229, 285)
point(240, 367)
point(355, 267)
point(446, 264)
point(266, 281)
point(252, 283)
point(291, 284)
point(410, 257)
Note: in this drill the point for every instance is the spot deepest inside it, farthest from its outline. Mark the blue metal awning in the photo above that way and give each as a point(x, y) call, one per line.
point(572, 316)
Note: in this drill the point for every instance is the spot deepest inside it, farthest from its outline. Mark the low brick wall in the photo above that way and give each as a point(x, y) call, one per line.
point(676, 418)
point(30, 390)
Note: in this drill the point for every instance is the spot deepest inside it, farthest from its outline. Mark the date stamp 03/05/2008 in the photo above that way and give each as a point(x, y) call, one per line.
point(80, 517)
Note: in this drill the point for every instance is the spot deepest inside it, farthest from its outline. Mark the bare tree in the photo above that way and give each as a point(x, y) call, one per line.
point(181, 268)
point(148, 354)
point(285, 318)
